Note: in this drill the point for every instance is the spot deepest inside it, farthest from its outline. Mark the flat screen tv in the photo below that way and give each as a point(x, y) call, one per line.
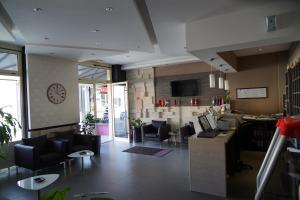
point(184, 88)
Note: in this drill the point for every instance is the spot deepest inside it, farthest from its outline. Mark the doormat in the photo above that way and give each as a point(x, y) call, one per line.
point(148, 151)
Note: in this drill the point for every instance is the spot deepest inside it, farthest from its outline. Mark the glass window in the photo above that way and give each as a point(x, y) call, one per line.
point(92, 73)
point(8, 62)
point(86, 102)
point(10, 99)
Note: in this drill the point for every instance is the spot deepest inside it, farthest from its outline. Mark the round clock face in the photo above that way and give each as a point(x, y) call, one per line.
point(56, 93)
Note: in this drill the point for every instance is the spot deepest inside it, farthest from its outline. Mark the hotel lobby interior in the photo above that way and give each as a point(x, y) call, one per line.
point(149, 99)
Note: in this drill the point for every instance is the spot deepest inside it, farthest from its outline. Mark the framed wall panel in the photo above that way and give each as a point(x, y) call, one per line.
point(251, 93)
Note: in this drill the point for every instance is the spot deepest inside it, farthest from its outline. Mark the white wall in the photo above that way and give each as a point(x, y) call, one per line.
point(42, 72)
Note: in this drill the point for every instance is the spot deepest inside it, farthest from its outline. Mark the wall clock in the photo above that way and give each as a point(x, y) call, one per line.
point(56, 93)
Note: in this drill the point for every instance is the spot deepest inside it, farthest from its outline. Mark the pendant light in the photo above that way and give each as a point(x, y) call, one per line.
point(221, 81)
point(226, 83)
point(212, 79)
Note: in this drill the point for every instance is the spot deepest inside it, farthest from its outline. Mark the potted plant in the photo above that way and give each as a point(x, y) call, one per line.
point(8, 128)
point(89, 123)
point(227, 100)
point(136, 132)
point(61, 194)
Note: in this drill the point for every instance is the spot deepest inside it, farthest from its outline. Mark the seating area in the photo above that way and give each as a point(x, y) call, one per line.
point(156, 131)
point(149, 99)
point(39, 152)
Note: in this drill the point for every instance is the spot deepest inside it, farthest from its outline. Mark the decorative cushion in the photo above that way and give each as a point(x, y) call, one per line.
point(38, 142)
point(158, 124)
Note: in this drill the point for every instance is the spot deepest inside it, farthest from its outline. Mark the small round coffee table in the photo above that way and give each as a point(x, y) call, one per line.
point(31, 183)
point(81, 154)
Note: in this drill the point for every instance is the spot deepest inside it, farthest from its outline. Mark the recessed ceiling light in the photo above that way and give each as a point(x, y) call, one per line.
point(109, 9)
point(95, 30)
point(260, 49)
point(37, 10)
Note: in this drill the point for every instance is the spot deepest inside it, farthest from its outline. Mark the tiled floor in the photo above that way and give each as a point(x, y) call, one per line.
point(133, 177)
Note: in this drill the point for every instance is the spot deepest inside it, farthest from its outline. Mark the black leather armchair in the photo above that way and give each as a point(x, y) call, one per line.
point(74, 141)
point(156, 131)
point(187, 131)
point(39, 152)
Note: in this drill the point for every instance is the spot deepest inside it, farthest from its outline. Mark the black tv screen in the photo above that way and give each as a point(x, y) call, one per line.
point(184, 88)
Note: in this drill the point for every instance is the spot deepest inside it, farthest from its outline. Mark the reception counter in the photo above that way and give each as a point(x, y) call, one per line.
point(209, 163)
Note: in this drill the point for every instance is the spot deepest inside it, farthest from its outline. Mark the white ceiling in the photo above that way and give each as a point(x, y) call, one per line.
point(5, 35)
point(122, 37)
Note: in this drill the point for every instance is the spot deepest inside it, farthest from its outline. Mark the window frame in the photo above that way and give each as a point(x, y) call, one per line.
point(19, 51)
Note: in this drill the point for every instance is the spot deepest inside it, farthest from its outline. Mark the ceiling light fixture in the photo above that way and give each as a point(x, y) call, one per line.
point(221, 79)
point(212, 78)
point(260, 49)
point(95, 30)
point(226, 82)
point(109, 9)
point(37, 10)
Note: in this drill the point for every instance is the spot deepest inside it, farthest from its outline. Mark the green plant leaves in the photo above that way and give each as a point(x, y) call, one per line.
point(136, 123)
point(8, 127)
point(56, 194)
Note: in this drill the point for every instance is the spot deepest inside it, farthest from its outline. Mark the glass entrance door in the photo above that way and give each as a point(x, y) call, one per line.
point(120, 111)
point(103, 112)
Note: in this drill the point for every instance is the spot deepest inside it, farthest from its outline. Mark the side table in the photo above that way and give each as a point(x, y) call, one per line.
point(31, 184)
point(174, 136)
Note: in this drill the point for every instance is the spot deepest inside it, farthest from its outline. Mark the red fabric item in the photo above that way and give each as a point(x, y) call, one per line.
point(289, 127)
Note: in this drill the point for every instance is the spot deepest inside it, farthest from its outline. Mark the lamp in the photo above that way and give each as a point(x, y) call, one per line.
point(212, 79)
point(226, 82)
point(226, 85)
point(221, 81)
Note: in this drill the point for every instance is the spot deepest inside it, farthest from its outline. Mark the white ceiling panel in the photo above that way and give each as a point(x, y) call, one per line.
point(70, 22)
point(76, 54)
point(170, 16)
point(5, 35)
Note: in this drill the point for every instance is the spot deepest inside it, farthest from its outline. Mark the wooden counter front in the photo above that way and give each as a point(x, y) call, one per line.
point(207, 163)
